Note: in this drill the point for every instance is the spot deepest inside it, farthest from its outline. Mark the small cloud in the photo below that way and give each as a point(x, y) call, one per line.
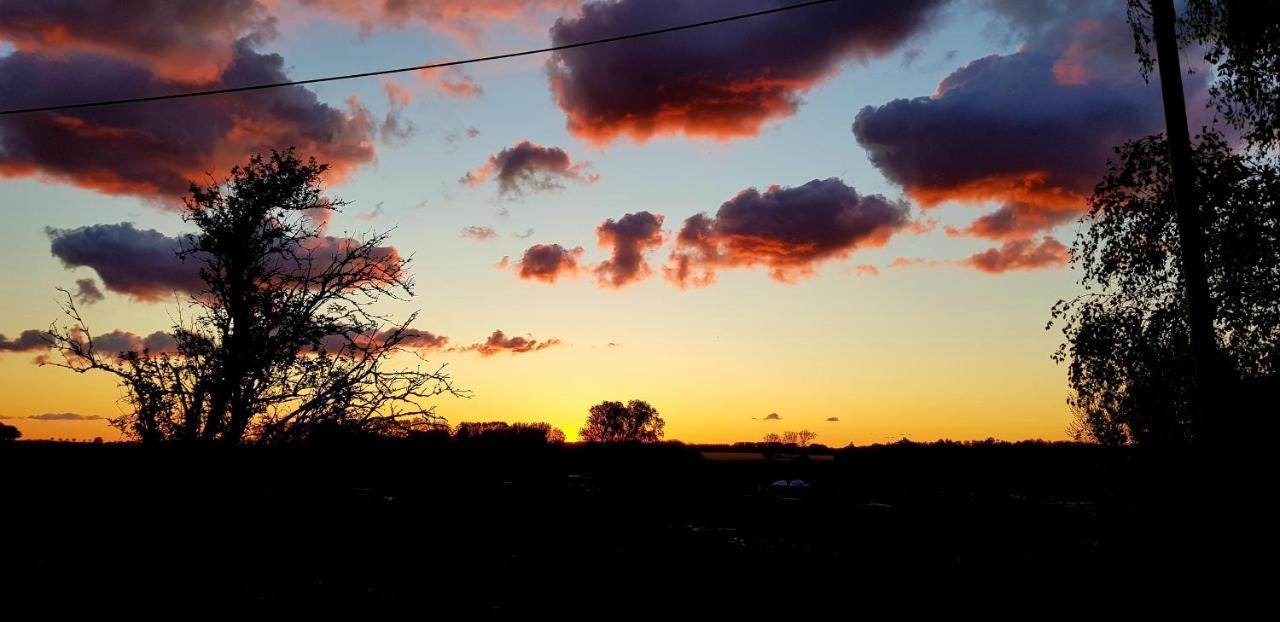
point(1021, 255)
point(549, 262)
point(833, 418)
point(499, 342)
point(919, 262)
point(922, 225)
point(87, 291)
point(866, 269)
point(451, 81)
point(527, 234)
point(31, 340)
point(61, 417)
point(630, 237)
point(479, 233)
point(372, 215)
point(528, 167)
point(911, 56)
point(395, 130)
point(772, 417)
point(421, 339)
point(458, 136)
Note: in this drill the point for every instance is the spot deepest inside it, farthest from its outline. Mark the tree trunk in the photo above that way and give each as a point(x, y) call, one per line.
point(1190, 229)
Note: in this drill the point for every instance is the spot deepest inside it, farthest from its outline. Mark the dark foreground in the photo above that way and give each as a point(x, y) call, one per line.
point(669, 532)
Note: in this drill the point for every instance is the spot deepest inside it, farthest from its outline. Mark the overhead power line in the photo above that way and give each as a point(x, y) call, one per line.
point(439, 65)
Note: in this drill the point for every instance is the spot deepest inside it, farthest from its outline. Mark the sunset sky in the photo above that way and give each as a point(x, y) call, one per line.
point(854, 215)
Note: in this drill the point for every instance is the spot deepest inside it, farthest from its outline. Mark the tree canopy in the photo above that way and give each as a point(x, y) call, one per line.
point(1126, 336)
point(613, 422)
point(284, 339)
point(1240, 39)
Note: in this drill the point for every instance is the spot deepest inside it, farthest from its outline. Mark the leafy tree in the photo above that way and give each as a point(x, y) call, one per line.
point(1127, 336)
point(1206, 376)
point(284, 340)
point(1241, 40)
point(9, 433)
point(613, 422)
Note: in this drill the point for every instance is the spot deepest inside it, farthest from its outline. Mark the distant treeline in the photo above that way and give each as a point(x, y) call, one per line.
point(499, 434)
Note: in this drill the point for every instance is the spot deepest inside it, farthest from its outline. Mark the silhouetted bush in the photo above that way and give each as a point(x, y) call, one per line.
point(9, 433)
point(500, 434)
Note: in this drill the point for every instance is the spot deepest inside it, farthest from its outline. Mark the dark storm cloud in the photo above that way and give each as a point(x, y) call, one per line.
point(1003, 127)
point(144, 264)
point(788, 231)
point(527, 167)
point(153, 150)
point(141, 263)
point(630, 237)
point(718, 83)
point(464, 19)
point(1031, 130)
point(186, 40)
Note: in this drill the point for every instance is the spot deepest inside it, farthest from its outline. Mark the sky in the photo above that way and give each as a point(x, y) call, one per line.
point(855, 216)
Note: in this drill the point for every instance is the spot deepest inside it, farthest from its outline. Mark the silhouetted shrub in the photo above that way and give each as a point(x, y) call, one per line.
point(503, 434)
point(9, 433)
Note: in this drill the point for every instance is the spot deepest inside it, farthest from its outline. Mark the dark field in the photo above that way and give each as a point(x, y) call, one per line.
point(617, 532)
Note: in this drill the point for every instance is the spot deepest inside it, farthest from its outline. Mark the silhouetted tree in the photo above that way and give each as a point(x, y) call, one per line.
point(1127, 336)
point(549, 434)
point(469, 431)
point(611, 422)
point(503, 433)
point(284, 339)
point(1185, 201)
point(9, 433)
point(1241, 39)
point(800, 438)
point(772, 437)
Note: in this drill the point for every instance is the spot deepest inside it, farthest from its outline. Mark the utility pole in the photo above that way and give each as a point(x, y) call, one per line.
point(1190, 229)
